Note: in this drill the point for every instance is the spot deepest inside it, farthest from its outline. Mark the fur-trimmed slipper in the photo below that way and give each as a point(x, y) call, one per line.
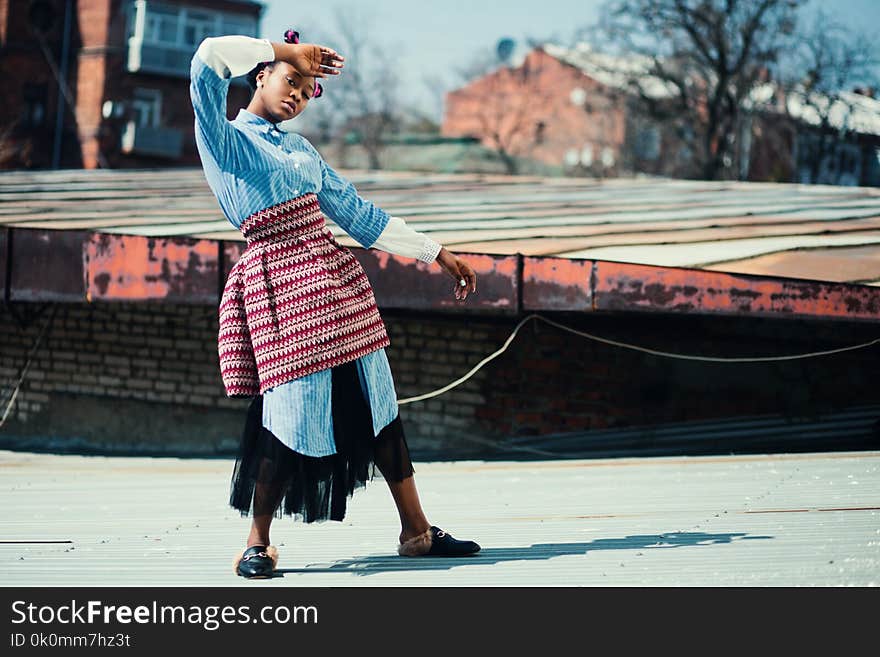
point(256, 562)
point(434, 542)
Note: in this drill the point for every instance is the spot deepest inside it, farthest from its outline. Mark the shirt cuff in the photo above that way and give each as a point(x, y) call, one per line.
point(400, 239)
point(430, 250)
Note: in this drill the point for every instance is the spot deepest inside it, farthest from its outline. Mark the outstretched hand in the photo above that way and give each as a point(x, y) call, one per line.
point(465, 278)
point(315, 61)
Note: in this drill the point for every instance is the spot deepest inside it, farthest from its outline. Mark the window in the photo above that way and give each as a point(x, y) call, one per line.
point(34, 109)
point(160, 25)
point(587, 155)
point(540, 126)
point(182, 26)
point(238, 25)
point(163, 37)
point(147, 107)
point(647, 144)
point(607, 157)
point(198, 25)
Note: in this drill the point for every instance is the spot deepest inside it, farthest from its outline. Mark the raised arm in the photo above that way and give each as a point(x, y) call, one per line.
point(215, 63)
point(219, 59)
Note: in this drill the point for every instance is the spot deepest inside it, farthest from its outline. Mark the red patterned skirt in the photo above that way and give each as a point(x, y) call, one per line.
point(295, 303)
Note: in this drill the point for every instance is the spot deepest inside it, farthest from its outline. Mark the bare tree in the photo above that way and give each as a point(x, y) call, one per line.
point(480, 63)
point(365, 98)
point(499, 105)
point(496, 99)
point(709, 54)
point(828, 59)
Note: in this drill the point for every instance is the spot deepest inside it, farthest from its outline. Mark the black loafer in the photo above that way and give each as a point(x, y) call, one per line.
point(444, 545)
point(435, 542)
point(257, 562)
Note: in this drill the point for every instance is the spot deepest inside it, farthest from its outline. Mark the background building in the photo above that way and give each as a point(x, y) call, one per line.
point(571, 109)
point(104, 83)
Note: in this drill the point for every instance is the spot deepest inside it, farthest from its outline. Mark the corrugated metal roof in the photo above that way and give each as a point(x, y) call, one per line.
point(764, 520)
point(814, 232)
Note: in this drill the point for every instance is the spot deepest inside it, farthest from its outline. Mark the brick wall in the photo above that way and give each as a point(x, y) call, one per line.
point(144, 377)
point(4, 18)
point(113, 375)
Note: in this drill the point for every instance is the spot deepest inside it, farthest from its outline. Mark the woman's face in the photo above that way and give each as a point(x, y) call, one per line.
point(284, 92)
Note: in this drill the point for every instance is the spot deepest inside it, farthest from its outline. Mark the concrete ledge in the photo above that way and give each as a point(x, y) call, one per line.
point(73, 266)
point(560, 284)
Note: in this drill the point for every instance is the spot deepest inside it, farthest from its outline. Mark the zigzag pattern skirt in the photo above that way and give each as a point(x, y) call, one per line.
point(296, 298)
point(270, 478)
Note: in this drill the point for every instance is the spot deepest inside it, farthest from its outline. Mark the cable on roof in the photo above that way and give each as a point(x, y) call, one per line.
point(24, 370)
point(667, 354)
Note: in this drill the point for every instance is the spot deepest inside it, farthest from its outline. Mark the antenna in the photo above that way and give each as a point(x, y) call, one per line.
point(504, 49)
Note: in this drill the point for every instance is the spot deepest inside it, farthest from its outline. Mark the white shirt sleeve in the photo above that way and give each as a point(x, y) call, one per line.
point(234, 55)
point(400, 239)
point(213, 65)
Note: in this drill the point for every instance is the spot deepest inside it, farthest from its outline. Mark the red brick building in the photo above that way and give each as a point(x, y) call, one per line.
point(105, 83)
point(569, 110)
point(555, 109)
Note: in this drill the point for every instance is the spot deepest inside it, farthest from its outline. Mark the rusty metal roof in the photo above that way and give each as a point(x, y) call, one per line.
point(573, 240)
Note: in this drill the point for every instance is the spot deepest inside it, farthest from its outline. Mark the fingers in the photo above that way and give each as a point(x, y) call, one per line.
point(460, 290)
point(329, 55)
point(465, 280)
point(316, 61)
point(470, 278)
point(331, 61)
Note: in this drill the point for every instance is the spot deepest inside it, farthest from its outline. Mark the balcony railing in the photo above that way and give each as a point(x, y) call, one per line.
point(162, 59)
point(153, 141)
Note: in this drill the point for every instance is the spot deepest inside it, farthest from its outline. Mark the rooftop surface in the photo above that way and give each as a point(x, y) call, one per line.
point(551, 244)
point(818, 232)
point(763, 520)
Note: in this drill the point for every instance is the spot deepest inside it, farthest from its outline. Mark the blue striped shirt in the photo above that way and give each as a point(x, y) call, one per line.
point(251, 164)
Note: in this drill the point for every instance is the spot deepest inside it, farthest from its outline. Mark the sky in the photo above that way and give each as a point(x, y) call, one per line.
point(431, 41)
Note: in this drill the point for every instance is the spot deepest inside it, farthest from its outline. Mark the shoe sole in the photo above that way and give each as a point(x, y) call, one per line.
point(273, 555)
point(272, 574)
point(439, 556)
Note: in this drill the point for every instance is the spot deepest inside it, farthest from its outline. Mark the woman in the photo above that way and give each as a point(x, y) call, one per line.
point(299, 327)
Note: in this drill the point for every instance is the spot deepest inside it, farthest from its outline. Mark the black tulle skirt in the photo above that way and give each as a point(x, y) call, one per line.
point(269, 477)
